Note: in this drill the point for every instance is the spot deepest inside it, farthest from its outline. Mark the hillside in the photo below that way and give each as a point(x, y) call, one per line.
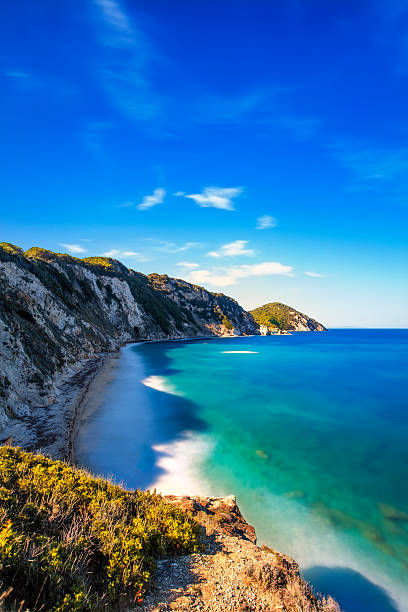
point(56, 310)
point(277, 315)
point(72, 542)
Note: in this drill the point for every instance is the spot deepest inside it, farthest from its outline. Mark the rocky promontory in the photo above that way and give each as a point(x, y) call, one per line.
point(232, 573)
point(276, 317)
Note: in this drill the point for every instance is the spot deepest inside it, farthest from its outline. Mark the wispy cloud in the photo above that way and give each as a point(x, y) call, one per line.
point(152, 200)
point(265, 108)
point(135, 255)
point(224, 277)
point(301, 128)
point(128, 204)
point(94, 135)
point(123, 69)
point(188, 265)
point(371, 165)
point(118, 253)
point(215, 197)
point(216, 109)
point(73, 248)
point(315, 275)
point(171, 247)
point(232, 249)
point(115, 16)
point(16, 74)
point(265, 222)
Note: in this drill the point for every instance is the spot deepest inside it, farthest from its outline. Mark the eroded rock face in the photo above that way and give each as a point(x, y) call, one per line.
point(56, 310)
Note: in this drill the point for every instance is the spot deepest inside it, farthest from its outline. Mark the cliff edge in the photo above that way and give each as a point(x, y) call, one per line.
point(72, 541)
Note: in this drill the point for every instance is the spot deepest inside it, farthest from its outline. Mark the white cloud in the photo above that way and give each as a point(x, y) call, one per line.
point(216, 197)
point(73, 248)
point(125, 255)
point(152, 200)
point(187, 246)
point(179, 193)
point(225, 277)
point(135, 255)
point(188, 265)
point(315, 274)
point(265, 222)
point(232, 249)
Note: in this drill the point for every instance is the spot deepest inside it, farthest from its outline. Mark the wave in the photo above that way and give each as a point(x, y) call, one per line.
point(179, 462)
point(160, 383)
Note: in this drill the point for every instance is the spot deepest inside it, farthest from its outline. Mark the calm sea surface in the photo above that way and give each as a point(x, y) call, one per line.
point(309, 431)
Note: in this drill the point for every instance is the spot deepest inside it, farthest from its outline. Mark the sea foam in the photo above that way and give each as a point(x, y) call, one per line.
point(179, 463)
point(160, 383)
point(246, 352)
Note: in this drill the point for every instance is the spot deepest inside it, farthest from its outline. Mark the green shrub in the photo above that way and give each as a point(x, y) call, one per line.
point(73, 542)
point(274, 314)
point(227, 323)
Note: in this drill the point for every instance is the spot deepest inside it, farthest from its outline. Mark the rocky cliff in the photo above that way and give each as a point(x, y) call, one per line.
point(232, 573)
point(56, 310)
point(276, 316)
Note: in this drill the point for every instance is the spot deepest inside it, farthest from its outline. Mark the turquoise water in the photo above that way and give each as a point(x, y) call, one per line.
point(309, 431)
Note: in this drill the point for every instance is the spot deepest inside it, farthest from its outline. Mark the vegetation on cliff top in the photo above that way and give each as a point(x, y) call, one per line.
point(281, 316)
point(73, 542)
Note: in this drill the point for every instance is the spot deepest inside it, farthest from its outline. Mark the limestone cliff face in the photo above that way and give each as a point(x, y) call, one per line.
point(56, 310)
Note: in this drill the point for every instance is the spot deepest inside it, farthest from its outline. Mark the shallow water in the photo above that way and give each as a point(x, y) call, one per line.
point(309, 431)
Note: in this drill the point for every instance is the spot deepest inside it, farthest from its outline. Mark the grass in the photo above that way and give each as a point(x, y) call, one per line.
point(72, 542)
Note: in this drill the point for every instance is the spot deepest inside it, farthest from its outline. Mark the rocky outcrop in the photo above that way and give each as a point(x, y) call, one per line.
point(275, 317)
point(233, 573)
point(57, 310)
point(223, 510)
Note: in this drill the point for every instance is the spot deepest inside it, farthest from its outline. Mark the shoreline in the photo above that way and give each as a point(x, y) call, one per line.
point(79, 389)
point(92, 394)
point(90, 398)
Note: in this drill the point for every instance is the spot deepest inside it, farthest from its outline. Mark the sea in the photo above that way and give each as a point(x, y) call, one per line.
point(309, 431)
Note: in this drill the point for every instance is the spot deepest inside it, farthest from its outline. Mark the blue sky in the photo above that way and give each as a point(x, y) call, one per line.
point(259, 148)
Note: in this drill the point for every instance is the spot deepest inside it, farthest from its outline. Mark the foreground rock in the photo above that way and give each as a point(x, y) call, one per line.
point(233, 574)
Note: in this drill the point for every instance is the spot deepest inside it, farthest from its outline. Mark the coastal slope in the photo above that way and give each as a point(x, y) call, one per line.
point(57, 311)
point(277, 316)
point(72, 541)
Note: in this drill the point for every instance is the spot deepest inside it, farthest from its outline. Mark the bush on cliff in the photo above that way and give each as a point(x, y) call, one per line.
point(73, 542)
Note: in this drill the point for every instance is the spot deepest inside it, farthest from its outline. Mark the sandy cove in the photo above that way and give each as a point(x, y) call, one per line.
point(51, 428)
